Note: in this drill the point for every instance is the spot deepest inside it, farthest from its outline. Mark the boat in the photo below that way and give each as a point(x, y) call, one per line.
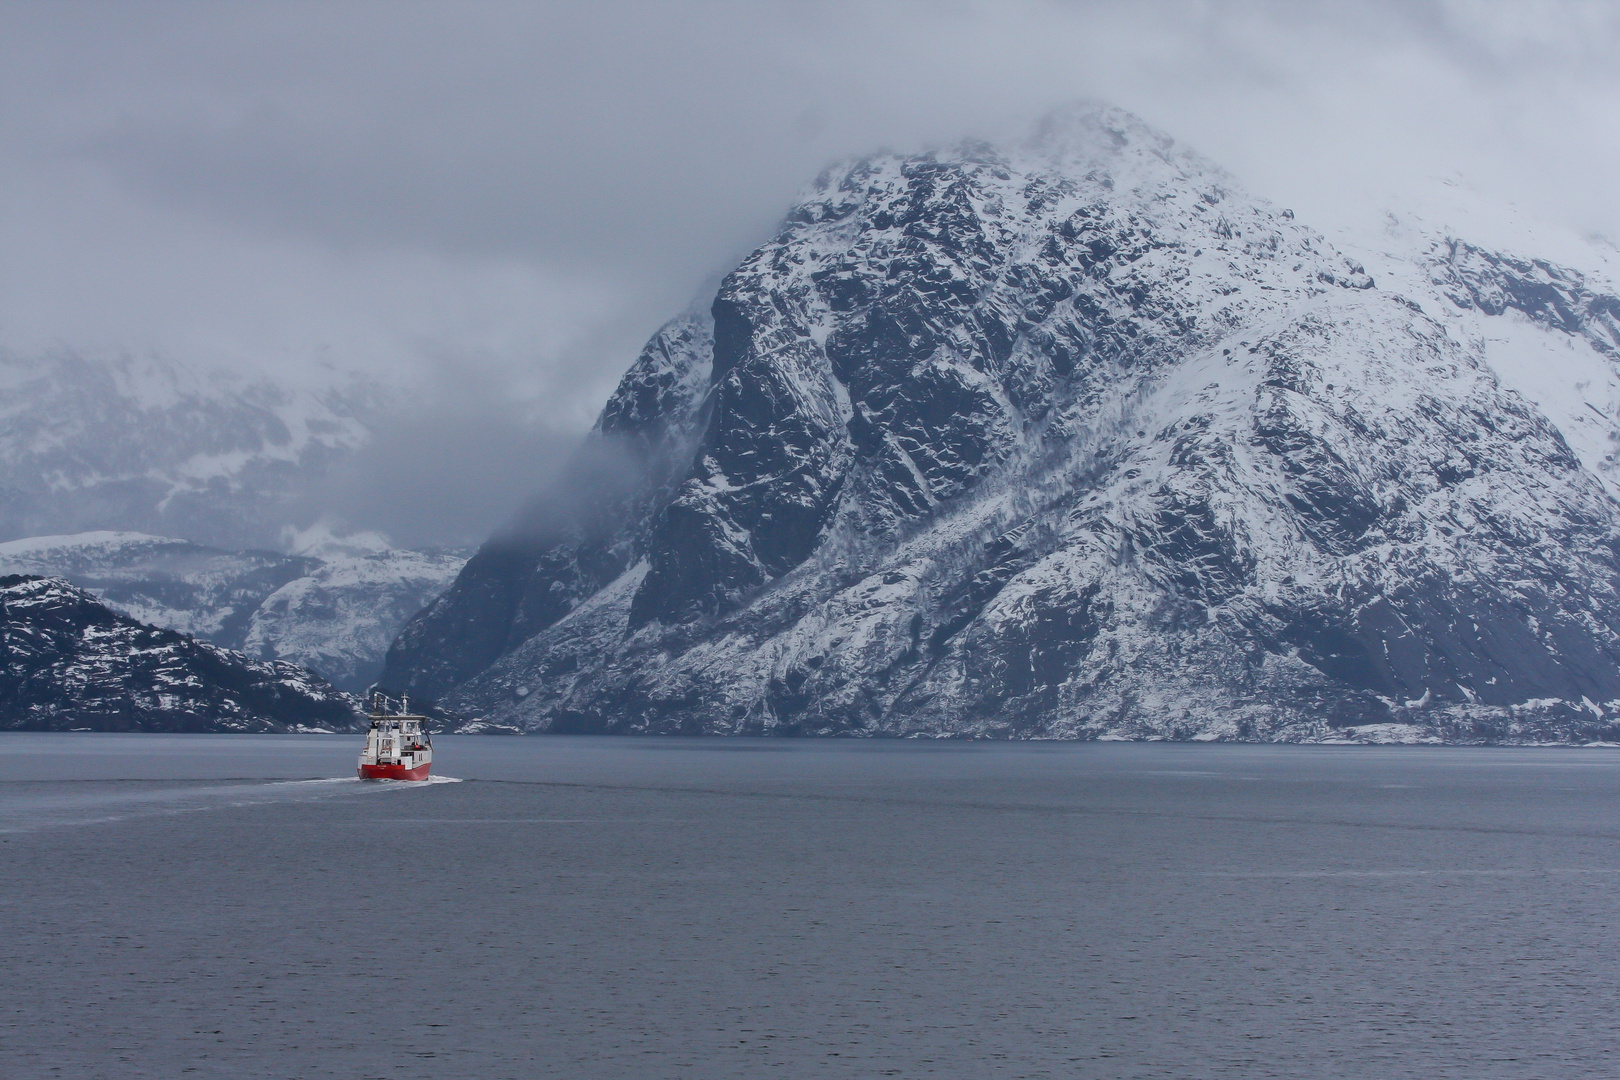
point(398, 746)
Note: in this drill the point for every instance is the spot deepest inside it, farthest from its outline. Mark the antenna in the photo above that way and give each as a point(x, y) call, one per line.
point(381, 703)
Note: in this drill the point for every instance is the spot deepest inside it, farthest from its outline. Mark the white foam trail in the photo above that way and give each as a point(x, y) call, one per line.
point(108, 803)
point(372, 785)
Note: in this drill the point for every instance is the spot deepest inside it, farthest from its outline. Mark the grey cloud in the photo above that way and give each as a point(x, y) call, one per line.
point(448, 471)
point(248, 183)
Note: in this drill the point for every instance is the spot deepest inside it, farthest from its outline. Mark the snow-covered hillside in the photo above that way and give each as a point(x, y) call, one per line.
point(333, 608)
point(70, 663)
point(1076, 439)
point(339, 618)
point(1538, 303)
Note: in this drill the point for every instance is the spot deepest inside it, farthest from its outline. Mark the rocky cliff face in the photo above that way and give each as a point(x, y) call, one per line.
point(580, 536)
point(68, 662)
point(1070, 440)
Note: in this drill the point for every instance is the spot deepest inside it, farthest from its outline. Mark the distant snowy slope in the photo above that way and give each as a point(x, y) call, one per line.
point(340, 617)
point(137, 443)
point(207, 592)
point(333, 610)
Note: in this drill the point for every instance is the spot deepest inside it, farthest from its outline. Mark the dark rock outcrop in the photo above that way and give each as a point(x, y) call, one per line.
point(577, 537)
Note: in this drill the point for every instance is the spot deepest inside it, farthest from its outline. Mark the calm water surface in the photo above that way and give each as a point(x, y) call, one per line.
point(235, 906)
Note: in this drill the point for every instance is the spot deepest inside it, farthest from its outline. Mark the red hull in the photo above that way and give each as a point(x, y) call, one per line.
point(394, 772)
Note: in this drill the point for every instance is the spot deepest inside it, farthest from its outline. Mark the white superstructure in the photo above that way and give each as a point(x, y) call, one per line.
point(398, 746)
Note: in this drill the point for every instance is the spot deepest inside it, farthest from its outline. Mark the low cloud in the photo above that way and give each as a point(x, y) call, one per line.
point(511, 197)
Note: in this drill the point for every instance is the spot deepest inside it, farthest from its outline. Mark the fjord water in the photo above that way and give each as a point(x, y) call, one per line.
point(577, 907)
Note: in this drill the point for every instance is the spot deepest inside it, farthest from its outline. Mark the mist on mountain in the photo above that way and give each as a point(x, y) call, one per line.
point(485, 213)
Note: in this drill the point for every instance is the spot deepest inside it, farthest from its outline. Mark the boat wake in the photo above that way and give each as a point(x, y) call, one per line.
point(396, 783)
point(26, 806)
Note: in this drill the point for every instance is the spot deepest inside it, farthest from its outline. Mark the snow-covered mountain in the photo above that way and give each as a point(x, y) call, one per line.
point(70, 663)
point(1076, 439)
point(333, 608)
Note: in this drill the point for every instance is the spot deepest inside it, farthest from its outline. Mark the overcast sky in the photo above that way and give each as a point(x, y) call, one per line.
point(522, 193)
